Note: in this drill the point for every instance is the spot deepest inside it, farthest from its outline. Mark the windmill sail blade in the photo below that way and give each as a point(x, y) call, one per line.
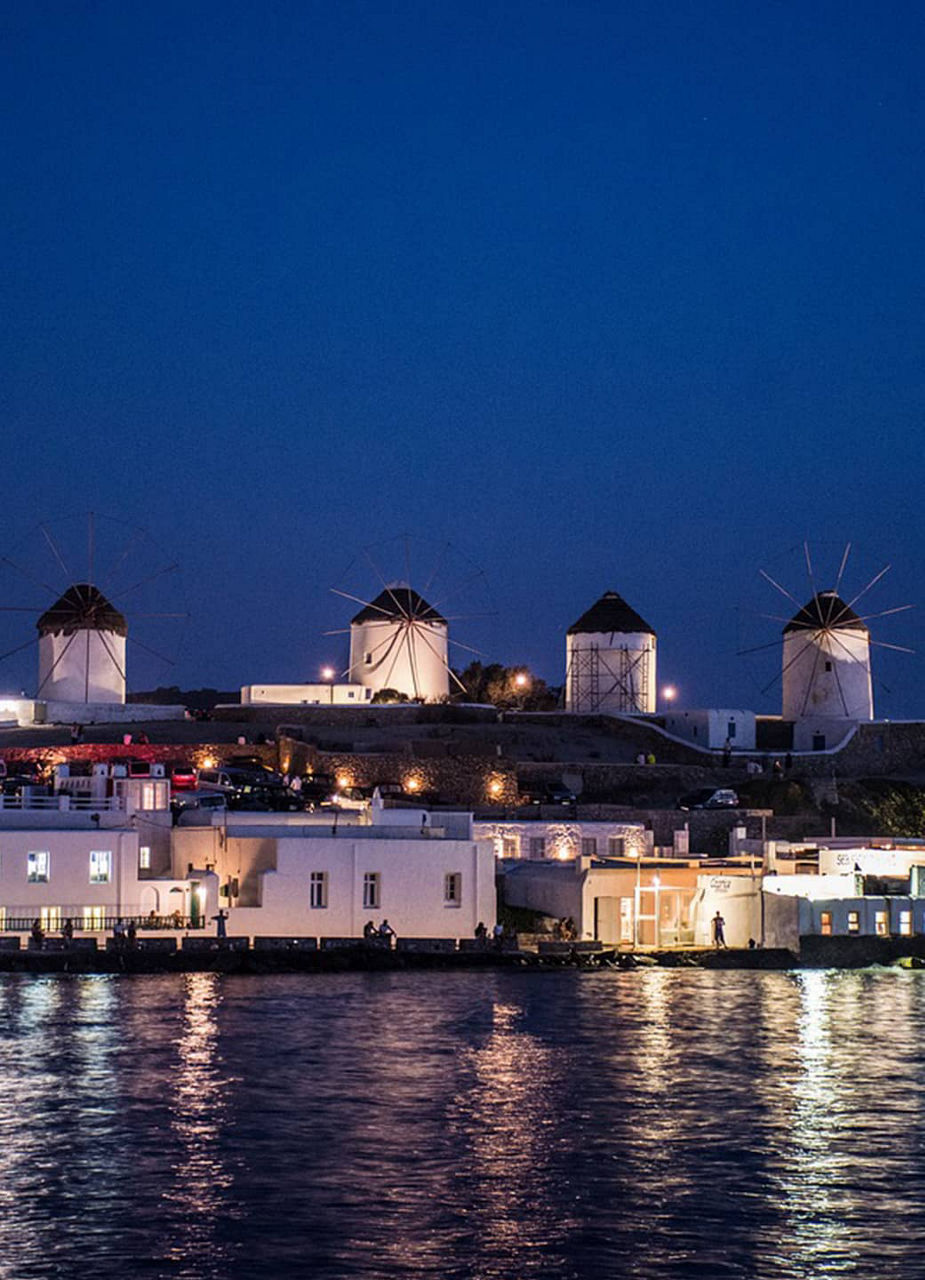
point(863, 592)
point(359, 600)
point(778, 587)
point(54, 550)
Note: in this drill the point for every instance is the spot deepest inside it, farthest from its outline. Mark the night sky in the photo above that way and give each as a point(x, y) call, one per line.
point(608, 295)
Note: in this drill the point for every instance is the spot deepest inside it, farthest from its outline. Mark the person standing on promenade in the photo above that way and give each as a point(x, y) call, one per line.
point(719, 931)
point(386, 933)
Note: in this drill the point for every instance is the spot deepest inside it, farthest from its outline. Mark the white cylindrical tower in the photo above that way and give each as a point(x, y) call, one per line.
point(826, 662)
point(610, 660)
point(82, 648)
point(398, 641)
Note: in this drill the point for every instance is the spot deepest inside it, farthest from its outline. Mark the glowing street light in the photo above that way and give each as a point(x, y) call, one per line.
point(327, 674)
point(669, 693)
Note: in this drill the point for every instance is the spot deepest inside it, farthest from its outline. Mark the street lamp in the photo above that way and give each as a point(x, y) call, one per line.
point(327, 674)
point(669, 693)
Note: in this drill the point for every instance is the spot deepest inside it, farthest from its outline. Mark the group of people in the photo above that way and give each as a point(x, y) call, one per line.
point(381, 934)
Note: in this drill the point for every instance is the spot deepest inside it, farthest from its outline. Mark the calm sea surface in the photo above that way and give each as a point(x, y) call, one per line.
point(649, 1124)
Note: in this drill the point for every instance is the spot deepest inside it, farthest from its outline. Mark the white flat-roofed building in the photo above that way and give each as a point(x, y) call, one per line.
point(317, 875)
point(714, 727)
point(312, 695)
point(89, 874)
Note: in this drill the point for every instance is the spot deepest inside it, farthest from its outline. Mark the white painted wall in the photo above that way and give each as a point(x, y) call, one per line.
point(273, 868)
point(827, 674)
point(738, 900)
point(84, 667)
point(68, 887)
point(710, 727)
point(338, 695)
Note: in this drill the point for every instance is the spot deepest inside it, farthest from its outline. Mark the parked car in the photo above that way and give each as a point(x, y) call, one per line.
point(182, 777)
point(195, 806)
point(710, 798)
point(550, 793)
point(353, 798)
point(268, 799)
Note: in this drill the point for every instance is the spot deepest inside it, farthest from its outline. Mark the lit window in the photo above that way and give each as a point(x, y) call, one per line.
point(50, 919)
point(825, 923)
point(144, 857)
point(95, 918)
point(905, 923)
point(2, 919)
point(589, 846)
point(38, 867)
point(371, 889)
point(452, 889)
point(509, 847)
point(854, 922)
point(537, 846)
point(318, 889)
point(882, 923)
point(100, 866)
point(148, 796)
point(616, 846)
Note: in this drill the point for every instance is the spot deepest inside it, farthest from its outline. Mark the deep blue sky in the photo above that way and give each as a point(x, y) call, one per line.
point(611, 295)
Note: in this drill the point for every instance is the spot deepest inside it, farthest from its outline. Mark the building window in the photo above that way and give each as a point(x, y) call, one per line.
point(882, 923)
point(100, 866)
point(616, 846)
point(452, 889)
point(368, 659)
point(854, 922)
point(537, 846)
point(95, 918)
point(589, 846)
point(905, 924)
point(38, 867)
point(509, 847)
point(50, 919)
point(371, 894)
point(148, 796)
point(144, 857)
point(731, 730)
point(2, 919)
point(318, 889)
point(825, 923)
point(828, 666)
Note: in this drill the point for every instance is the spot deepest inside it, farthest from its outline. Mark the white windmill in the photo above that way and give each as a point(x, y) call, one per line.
point(82, 648)
point(84, 636)
point(610, 660)
point(825, 671)
point(400, 639)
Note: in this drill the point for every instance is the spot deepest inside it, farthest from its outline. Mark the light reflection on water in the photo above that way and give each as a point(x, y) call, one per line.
point(653, 1124)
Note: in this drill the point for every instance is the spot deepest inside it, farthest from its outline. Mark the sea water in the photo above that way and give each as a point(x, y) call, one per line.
point(659, 1123)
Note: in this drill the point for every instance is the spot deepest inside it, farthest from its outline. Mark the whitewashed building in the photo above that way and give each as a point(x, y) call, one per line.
point(319, 876)
point(714, 727)
point(315, 695)
point(610, 660)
